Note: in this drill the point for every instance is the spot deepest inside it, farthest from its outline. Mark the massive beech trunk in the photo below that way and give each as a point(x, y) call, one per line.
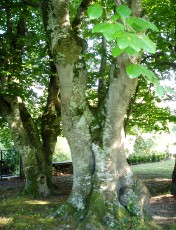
point(36, 146)
point(104, 188)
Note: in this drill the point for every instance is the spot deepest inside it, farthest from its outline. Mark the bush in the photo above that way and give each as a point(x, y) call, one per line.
point(138, 159)
point(145, 150)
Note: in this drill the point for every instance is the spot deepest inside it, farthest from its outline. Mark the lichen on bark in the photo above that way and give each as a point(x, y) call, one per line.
point(103, 192)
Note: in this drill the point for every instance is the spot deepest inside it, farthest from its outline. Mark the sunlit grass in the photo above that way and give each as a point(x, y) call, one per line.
point(5, 221)
point(156, 176)
point(24, 213)
point(161, 169)
point(36, 202)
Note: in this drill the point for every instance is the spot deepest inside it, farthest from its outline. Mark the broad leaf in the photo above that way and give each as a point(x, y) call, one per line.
point(123, 11)
point(135, 42)
point(116, 51)
point(150, 75)
point(109, 30)
point(95, 11)
point(148, 45)
point(115, 17)
point(152, 26)
point(141, 24)
point(134, 71)
point(123, 40)
point(138, 23)
point(129, 50)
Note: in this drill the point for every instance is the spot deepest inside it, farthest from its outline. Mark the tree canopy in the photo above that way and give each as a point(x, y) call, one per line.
point(23, 19)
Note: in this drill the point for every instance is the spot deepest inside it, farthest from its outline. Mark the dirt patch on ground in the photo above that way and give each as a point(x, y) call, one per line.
point(162, 208)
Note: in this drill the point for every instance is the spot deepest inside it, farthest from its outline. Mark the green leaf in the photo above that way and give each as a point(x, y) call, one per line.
point(109, 30)
point(159, 91)
point(123, 11)
point(123, 40)
point(115, 17)
point(95, 11)
point(148, 45)
point(152, 26)
point(150, 75)
point(130, 21)
point(129, 50)
point(141, 24)
point(116, 51)
point(135, 42)
point(133, 71)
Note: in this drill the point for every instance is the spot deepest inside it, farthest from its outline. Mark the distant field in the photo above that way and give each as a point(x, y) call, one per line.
point(155, 170)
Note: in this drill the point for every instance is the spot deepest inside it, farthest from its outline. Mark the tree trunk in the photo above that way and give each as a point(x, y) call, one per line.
point(36, 152)
point(27, 142)
point(104, 189)
point(36, 149)
point(173, 186)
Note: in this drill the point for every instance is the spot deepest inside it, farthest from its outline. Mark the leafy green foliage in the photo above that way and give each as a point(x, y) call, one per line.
point(95, 11)
point(62, 151)
point(162, 14)
point(147, 112)
point(12, 162)
point(124, 11)
point(109, 30)
point(134, 71)
point(130, 39)
point(5, 136)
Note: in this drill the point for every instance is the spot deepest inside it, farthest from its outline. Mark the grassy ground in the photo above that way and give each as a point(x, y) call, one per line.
point(19, 212)
point(156, 176)
point(155, 170)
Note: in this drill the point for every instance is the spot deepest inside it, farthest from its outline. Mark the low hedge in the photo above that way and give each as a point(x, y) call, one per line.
point(139, 159)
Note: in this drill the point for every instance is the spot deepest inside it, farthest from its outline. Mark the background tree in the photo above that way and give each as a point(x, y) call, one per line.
point(21, 69)
point(143, 110)
point(163, 61)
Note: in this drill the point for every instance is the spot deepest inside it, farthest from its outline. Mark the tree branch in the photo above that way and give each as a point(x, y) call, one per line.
point(102, 71)
point(80, 13)
point(130, 109)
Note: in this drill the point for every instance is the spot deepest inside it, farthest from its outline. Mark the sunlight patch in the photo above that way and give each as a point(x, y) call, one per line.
point(4, 221)
point(37, 202)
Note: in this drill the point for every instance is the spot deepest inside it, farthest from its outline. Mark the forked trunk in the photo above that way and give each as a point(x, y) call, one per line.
point(104, 189)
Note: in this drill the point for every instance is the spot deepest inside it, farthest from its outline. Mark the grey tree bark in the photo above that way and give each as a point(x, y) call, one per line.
point(35, 148)
point(104, 188)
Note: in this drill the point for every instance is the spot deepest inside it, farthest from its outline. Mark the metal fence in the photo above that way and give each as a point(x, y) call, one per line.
point(9, 163)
